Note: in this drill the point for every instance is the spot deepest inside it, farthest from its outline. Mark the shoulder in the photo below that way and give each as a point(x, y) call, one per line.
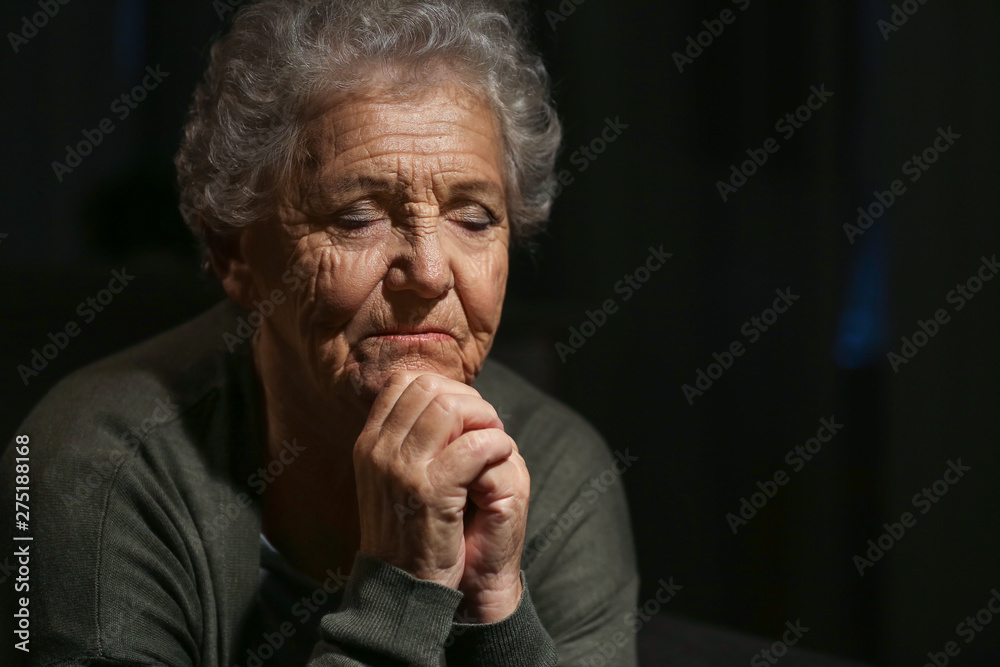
point(133, 409)
point(119, 463)
point(108, 407)
point(183, 363)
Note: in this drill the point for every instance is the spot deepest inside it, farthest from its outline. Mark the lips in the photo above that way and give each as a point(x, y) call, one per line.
point(415, 337)
point(403, 333)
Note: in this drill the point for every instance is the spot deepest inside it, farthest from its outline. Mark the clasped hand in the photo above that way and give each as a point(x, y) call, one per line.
point(435, 449)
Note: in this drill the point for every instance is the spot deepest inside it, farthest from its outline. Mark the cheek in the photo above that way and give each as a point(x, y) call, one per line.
point(336, 281)
point(483, 281)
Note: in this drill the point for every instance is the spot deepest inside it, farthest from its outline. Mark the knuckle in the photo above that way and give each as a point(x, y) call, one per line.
point(519, 462)
point(374, 461)
point(400, 378)
point(421, 489)
point(510, 447)
point(433, 471)
point(428, 382)
point(447, 403)
point(489, 408)
point(477, 441)
point(410, 488)
point(362, 453)
point(524, 484)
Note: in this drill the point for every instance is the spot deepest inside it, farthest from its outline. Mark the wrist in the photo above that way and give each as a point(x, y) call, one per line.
point(424, 569)
point(490, 605)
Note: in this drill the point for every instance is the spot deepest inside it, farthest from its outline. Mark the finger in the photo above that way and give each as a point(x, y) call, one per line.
point(414, 398)
point(387, 397)
point(499, 481)
point(464, 460)
point(446, 417)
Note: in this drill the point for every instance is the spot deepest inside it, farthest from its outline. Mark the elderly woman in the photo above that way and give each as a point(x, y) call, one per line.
point(349, 485)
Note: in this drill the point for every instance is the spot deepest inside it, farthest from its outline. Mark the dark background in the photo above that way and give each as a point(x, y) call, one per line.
point(656, 184)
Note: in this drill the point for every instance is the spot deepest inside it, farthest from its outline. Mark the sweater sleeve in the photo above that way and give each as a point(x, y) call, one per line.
point(517, 641)
point(389, 617)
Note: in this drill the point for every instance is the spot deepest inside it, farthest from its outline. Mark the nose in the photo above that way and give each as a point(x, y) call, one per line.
point(421, 265)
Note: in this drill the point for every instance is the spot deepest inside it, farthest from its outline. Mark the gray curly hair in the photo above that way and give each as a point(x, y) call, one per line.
point(245, 133)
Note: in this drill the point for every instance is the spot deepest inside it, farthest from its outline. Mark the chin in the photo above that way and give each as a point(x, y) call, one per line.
point(364, 380)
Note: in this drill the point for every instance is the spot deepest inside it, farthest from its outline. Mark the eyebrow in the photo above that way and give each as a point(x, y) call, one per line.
point(476, 187)
point(348, 185)
point(357, 183)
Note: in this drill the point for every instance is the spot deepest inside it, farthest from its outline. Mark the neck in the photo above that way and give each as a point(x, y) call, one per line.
point(309, 506)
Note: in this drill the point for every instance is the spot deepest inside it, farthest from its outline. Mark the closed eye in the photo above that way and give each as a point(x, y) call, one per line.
point(359, 215)
point(473, 217)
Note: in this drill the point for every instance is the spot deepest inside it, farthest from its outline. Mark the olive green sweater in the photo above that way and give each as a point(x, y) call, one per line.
point(144, 486)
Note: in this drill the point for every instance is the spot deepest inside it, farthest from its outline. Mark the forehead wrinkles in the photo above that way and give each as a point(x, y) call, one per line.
point(427, 174)
point(407, 140)
point(411, 157)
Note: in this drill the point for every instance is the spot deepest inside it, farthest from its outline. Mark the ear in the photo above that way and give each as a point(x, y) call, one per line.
point(228, 259)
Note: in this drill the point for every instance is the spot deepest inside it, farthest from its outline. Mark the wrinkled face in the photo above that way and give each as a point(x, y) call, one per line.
point(392, 252)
